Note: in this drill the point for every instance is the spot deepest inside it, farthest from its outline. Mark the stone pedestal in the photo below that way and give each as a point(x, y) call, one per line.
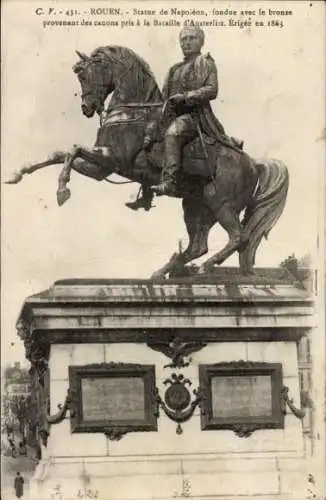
point(80, 322)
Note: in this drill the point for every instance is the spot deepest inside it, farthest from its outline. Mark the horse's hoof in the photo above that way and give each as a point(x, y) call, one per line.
point(17, 177)
point(63, 195)
point(249, 272)
point(158, 275)
point(204, 270)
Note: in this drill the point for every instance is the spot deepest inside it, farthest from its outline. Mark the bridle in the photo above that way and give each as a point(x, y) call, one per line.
point(96, 91)
point(96, 86)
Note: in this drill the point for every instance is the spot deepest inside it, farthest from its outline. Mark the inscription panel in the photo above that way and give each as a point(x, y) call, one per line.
point(244, 396)
point(114, 398)
point(241, 393)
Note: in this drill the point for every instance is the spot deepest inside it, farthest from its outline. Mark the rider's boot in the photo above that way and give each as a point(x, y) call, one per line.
point(144, 201)
point(168, 185)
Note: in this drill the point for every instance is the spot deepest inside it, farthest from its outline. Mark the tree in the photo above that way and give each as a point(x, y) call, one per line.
point(291, 263)
point(19, 408)
point(300, 270)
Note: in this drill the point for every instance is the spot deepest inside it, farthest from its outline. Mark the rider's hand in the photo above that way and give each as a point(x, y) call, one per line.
point(177, 99)
point(147, 144)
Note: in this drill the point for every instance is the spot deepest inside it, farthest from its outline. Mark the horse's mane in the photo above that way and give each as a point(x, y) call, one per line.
point(140, 70)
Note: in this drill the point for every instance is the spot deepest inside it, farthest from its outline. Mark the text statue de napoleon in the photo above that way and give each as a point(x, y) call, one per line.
point(172, 144)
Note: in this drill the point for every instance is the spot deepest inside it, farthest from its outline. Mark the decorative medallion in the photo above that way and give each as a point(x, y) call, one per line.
point(177, 396)
point(177, 404)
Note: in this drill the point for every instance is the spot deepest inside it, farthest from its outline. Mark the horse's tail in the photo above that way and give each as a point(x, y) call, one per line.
point(267, 206)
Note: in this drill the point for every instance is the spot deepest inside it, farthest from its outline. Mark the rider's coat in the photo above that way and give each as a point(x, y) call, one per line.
point(197, 80)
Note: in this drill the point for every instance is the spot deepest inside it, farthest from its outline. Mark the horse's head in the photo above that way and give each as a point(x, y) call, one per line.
point(96, 82)
point(118, 69)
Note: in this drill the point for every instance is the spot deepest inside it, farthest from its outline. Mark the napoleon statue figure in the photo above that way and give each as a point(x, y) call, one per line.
point(189, 87)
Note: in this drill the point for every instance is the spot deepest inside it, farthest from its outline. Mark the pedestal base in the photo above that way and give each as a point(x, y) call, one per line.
point(177, 326)
point(170, 477)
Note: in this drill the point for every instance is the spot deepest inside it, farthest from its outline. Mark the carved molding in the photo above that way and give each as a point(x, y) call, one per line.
point(288, 402)
point(37, 352)
point(246, 430)
point(177, 350)
point(115, 433)
point(190, 335)
point(68, 405)
point(237, 365)
point(46, 420)
point(177, 404)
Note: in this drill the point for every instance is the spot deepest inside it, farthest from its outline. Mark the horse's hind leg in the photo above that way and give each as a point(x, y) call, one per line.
point(229, 220)
point(198, 220)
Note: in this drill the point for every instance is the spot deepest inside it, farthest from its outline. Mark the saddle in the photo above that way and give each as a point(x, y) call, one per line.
point(200, 160)
point(200, 157)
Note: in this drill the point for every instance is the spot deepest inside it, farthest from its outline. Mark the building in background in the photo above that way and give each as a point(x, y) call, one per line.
point(16, 405)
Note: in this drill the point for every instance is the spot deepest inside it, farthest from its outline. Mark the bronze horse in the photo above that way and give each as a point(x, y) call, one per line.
point(237, 183)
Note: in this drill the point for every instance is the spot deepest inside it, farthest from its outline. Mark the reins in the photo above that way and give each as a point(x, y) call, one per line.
point(118, 183)
point(131, 105)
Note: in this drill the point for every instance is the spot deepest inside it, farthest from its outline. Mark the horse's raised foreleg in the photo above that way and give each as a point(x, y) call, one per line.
point(63, 192)
point(87, 162)
point(55, 158)
point(106, 161)
point(88, 169)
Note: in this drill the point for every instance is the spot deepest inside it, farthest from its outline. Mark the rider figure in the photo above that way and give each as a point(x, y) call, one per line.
point(189, 87)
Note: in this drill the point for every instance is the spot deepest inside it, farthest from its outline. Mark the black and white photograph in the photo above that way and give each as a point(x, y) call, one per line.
point(163, 227)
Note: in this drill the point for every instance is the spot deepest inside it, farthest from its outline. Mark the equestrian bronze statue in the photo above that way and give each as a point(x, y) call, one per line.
point(173, 145)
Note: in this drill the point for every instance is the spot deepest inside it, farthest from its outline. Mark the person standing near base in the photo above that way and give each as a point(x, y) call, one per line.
point(19, 485)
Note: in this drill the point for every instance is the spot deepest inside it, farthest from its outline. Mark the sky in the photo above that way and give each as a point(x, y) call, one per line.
point(271, 95)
